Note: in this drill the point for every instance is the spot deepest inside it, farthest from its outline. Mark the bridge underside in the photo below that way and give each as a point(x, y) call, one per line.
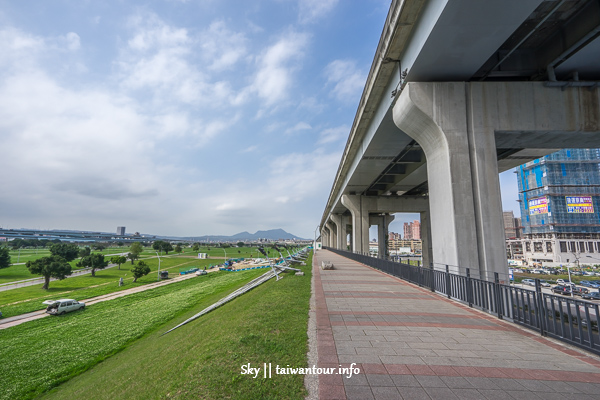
point(468, 133)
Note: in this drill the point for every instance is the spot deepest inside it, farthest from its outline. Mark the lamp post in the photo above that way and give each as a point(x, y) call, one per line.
point(315, 242)
point(570, 283)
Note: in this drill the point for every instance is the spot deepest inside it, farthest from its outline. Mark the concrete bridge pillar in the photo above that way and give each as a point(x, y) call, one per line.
point(383, 223)
point(460, 126)
point(340, 223)
point(360, 222)
point(462, 174)
point(426, 254)
point(332, 233)
point(325, 236)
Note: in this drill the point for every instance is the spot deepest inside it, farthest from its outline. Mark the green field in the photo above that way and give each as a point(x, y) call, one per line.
point(199, 360)
point(40, 354)
point(30, 298)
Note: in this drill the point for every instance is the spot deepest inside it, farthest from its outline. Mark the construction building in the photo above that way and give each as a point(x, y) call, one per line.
point(559, 197)
point(120, 230)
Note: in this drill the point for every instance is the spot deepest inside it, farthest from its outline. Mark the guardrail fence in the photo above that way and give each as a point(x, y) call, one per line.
point(564, 318)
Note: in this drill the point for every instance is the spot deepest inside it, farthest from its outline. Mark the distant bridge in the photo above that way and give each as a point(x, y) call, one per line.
point(459, 91)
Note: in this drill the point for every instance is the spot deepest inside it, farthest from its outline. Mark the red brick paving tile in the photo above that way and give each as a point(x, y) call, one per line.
point(444, 370)
point(468, 371)
point(332, 392)
point(328, 358)
point(421, 370)
point(518, 373)
point(331, 379)
point(540, 374)
point(326, 350)
point(588, 377)
point(397, 369)
point(374, 369)
point(492, 372)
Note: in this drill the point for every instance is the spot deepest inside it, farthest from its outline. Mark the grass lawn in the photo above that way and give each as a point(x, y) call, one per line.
point(203, 359)
point(38, 355)
point(27, 299)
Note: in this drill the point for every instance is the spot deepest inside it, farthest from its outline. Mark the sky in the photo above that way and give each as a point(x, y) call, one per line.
point(182, 118)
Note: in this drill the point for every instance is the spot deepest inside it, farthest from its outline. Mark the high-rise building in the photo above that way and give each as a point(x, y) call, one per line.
point(510, 231)
point(121, 230)
point(412, 230)
point(559, 197)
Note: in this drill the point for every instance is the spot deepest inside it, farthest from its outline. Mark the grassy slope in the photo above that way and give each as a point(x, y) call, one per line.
point(30, 298)
point(40, 354)
point(203, 358)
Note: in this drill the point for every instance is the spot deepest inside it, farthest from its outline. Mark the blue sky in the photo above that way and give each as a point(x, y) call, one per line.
point(178, 117)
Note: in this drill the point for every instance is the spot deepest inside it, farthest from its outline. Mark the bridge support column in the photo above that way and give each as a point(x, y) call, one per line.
point(383, 223)
point(426, 252)
point(340, 223)
point(360, 222)
point(462, 173)
point(332, 233)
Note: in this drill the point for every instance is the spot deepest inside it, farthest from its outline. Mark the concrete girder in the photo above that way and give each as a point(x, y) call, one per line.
point(458, 126)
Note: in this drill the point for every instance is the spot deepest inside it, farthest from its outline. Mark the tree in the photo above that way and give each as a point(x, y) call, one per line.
point(86, 251)
point(118, 260)
point(50, 267)
point(240, 244)
point(132, 257)
point(136, 248)
point(67, 251)
point(178, 249)
point(161, 245)
point(4, 257)
point(196, 247)
point(140, 270)
point(94, 261)
point(99, 246)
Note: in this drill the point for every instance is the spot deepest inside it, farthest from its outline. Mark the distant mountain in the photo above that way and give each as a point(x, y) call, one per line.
point(272, 234)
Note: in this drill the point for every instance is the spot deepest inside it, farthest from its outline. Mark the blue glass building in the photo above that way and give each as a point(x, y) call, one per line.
point(559, 197)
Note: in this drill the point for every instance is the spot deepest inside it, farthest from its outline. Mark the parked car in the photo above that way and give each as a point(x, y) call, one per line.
point(580, 291)
point(59, 307)
point(543, 283)
point(591, 284)
point(529, 282)
point(561, 289)
point(560, 281)
point(591, 296)
point(201, 272)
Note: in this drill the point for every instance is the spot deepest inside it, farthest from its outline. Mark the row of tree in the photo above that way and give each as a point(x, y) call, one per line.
point(57, 264)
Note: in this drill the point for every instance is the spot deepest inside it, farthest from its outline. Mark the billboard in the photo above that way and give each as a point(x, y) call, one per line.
point(538, 206)
point(579, 204)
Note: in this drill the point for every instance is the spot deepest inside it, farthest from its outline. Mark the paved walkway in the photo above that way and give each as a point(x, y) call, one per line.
point(410, 343)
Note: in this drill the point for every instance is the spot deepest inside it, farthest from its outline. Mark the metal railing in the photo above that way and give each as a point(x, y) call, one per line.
point(564, 318)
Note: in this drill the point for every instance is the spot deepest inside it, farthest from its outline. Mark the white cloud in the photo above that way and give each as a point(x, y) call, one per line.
point(346, 79)
point(72, 41)
point(222, 47)
point(274, 77)
point(300, 126)
point(312, 10)
point(333, 134)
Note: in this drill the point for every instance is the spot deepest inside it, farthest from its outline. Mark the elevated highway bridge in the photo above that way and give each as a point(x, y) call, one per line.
point(459, 91)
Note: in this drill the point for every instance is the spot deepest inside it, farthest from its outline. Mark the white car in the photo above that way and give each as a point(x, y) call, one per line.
point(201, 272)
point(529, 282)
point(59, 307)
